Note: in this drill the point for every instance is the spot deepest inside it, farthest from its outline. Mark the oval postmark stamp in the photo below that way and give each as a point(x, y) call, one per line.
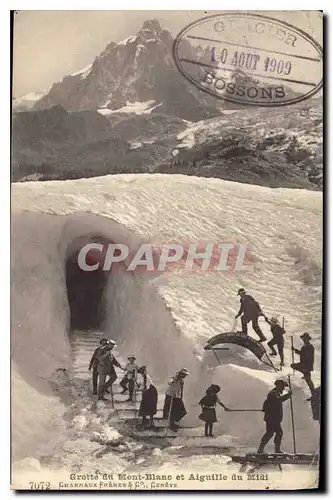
point(250, 59)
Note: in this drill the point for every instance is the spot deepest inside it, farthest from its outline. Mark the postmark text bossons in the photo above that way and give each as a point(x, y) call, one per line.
point(250, 59)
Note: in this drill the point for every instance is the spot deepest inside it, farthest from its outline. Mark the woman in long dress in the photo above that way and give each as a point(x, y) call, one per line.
point(148, 406)
point(174, 409)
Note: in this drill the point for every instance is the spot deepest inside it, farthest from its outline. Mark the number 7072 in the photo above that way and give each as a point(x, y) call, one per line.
point(41, 485)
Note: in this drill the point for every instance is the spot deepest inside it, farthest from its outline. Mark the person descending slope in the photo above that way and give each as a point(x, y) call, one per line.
point(148, 406)
point(131, 370)
point(277, 331)
point(273, 410)
point(306, 357)
point(112, 373)
point(208, 404)
point(174, 409)
point(93, 364)
point(250, 311)
point(105, 367)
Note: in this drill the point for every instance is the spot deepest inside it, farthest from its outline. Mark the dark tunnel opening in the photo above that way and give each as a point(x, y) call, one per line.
point(85, 289)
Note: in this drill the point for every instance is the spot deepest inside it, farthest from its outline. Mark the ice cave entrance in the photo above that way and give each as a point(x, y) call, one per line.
point(85, 290)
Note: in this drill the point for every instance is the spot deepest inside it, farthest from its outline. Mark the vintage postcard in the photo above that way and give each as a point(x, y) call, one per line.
point(166, 283)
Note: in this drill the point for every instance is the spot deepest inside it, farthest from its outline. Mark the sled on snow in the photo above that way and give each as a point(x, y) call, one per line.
point(215, 344)
point(257, 460)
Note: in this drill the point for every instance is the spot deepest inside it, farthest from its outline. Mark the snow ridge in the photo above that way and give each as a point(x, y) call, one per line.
point(84, 72)
point(138, 108)
point(130, 39)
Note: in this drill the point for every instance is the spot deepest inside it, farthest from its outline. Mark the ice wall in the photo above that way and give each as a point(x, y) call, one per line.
point(136, 316)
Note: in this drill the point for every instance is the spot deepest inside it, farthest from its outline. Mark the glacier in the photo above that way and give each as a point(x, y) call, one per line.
point(138, 108)
point(164, 319)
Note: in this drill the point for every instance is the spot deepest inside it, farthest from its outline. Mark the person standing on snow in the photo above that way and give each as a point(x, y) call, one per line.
point(273, 410)
point(306, 357)
point(113, 362)
point(148, 406)
point(105, 367)
point(174, 409)
point(208, 412)
point(278, 340)
point(93, 364)
point(130, 378)
point(250, 311)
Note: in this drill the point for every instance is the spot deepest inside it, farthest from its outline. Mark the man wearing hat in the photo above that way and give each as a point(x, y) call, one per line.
point(130, 378)
point(273, 410)
point(250, 310)
point(277, 331)
point(102, 363)
point(93, 363)
point(306, 358)
point(113, 362)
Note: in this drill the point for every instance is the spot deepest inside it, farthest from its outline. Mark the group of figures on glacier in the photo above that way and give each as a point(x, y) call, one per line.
point(137, 379)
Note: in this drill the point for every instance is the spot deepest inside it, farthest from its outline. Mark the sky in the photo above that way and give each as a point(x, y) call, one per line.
point(51, 44)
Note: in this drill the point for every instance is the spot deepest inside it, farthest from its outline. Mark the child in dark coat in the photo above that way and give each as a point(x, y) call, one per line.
point(208, 404)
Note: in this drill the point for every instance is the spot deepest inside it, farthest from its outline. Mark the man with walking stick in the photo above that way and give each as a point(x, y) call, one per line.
point(306, 358)
point(102, 364)
point(273, 410)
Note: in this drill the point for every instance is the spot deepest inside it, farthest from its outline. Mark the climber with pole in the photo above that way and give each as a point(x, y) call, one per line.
point(103, 363)
point(306, 358)
point(273, 417)
point(105, 346)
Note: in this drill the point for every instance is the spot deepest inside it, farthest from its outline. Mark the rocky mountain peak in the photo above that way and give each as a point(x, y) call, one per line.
point(151, 28)
point(138, 69)
point(152, 25)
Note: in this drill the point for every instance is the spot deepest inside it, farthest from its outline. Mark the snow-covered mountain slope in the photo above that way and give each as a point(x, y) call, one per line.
point(276, 148)
point(165, 320)
point(138, 108)
point(83, 72)
point(26, 102)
